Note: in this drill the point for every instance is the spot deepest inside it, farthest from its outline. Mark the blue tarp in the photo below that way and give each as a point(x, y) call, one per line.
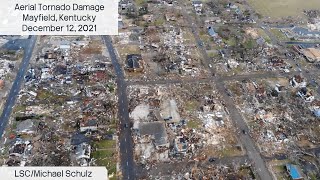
point(317, 113)
point(293, 170)
point(211, 32)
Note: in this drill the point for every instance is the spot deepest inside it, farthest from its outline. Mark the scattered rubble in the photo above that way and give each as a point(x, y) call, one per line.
point(66, 109)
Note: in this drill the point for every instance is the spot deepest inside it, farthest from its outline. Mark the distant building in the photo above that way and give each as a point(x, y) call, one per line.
point(312, 54)
point(301, 33)
point(305, 33)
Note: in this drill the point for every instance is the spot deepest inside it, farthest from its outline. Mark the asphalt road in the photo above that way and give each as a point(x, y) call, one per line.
point(252, 152)
point(125, 138)
point(217, 79)
point(4, 118)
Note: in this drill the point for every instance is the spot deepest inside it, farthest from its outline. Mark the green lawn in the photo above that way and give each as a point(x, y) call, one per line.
point(231, 41)
point(194, 124)
point(105, 144)
point(264, 35)
point(279, 35)
point(140, 2)
point(192, 105)
point(106, 155)
point(19, 108)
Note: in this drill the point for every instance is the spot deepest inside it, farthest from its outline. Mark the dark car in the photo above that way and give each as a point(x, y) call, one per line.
point(212, 159)
point(126, 125)
point(244, 131)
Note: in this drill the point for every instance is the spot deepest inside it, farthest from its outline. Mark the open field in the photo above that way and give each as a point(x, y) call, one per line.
point(283, 8)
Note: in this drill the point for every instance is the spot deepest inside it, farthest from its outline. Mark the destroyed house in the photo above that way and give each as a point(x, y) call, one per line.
point(50, 55)
point(60, 69)
point(123, 4)
point(134, 62)
point(169, 111)
point(19, 147)
point(157, 130)
point(148, 18)
point(79, 138)
point(82, 152)
point(197, 3)
point(297, 81)
point(312, 54)
point(211, 20)
point(65, 45)
point(170, 17)
point(180, 145)
point(168, 2)
point(17, 150)
point(26, 127)
point(88, 125)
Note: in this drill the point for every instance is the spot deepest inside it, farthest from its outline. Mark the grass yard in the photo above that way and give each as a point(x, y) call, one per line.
point(231, 41)
point(264, 35)
point(279, 35)
point(105, 144)
point(194, 124)
point(283, 8)
point(192, 105)
point(106, 155)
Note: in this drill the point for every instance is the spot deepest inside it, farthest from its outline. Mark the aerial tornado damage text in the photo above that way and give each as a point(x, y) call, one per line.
point(59, 17)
